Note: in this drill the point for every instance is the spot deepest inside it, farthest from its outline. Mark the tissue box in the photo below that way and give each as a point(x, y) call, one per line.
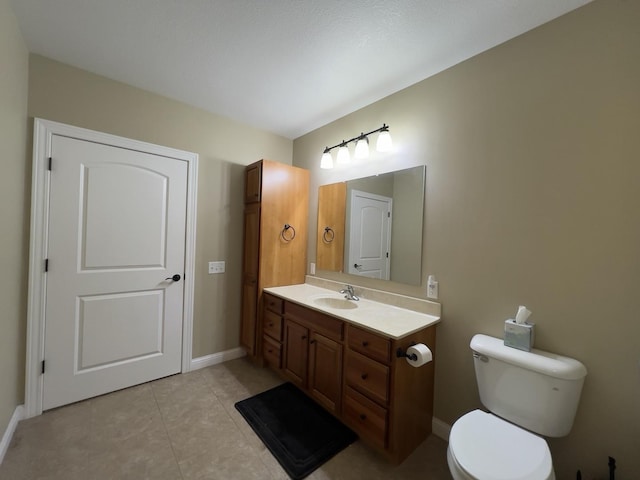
point(519, 335)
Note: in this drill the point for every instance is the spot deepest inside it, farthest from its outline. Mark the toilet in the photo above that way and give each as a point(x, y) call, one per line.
point(529, 395)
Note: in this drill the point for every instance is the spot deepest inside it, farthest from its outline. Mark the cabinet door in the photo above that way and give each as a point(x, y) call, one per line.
point(325, 371)
point(296, 353)
point(252, 183)
point(250, 278)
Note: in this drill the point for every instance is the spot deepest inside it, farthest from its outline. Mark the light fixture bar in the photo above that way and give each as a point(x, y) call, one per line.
point(383, 128)
point(362, 147)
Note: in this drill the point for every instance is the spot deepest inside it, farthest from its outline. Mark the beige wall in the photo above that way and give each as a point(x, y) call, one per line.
point(14, 212)
point(65, 94)
point(533, 195)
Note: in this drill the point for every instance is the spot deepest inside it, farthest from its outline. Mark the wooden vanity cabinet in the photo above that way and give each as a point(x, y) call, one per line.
point(325, 371)
point(272, 328)
point(312, 357)
point(387, 402)
point(356, 374)
point(296, 353)
point(275, 195)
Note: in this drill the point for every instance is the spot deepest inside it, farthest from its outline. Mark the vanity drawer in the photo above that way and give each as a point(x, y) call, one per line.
point(272, 325)
point(325, 324)
point(367, 376)
point(370, 344)
point(272, 303)
point(272, 351)
point(365, 417)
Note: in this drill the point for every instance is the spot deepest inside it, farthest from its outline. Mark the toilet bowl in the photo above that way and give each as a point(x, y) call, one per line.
point(482, 446)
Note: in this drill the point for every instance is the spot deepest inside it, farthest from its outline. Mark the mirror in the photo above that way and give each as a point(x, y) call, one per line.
point(373, 226)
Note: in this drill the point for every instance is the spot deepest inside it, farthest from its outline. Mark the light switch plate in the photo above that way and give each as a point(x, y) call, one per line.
point(216, 267)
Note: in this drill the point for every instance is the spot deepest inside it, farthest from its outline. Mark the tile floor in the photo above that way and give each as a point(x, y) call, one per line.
point(182, 427)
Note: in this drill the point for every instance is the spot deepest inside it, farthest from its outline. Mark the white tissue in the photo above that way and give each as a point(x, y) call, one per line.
point(422, 355)
point(522, 315)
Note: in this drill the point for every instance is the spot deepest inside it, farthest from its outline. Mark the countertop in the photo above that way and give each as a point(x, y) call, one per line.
point(388, 320)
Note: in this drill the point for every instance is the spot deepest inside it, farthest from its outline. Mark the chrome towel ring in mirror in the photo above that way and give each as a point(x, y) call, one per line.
point(328, 235)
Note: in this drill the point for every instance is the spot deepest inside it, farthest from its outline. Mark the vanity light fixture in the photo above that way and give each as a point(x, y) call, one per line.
point(327, 159)
point(362, 147)
point(343, 154)
point(384, 144)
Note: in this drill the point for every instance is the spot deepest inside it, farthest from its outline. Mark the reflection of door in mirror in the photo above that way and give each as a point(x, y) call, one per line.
point(331, 226)
point(370, 235)
point(407, 189)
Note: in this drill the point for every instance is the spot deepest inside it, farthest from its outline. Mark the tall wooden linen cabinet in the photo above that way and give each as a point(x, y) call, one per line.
point(276, 214)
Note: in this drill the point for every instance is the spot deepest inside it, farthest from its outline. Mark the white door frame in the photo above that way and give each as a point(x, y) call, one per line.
point(43, 130)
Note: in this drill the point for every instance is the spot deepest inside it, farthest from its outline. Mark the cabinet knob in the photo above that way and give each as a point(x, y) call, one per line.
point(363, 416)
point(312, 341)
point(365, 344)
point(303, 337)
point(364, 376)
point(271, 324)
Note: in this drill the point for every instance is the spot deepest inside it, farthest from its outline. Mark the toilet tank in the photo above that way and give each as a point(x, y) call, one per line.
point(537, 390)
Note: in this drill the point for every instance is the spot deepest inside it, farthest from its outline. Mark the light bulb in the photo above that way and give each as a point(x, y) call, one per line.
point(362, 148)
point(343, 155)
point(384, 143)
point(327, 160)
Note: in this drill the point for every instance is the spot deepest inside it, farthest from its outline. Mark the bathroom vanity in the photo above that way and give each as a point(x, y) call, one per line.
point(344, 355)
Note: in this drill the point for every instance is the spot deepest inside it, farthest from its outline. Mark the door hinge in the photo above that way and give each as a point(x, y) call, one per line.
point(50, 161)
point(388, 214)
point(46, 264)
point(387, 254)
point(42, 366)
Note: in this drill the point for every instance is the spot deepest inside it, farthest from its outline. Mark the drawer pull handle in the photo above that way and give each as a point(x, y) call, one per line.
point(363, 416)
point(364, 376)
point(365, 344)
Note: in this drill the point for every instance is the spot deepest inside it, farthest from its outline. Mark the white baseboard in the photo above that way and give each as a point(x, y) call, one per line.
point(18, 414)
point(440, 429)
point(216, 358)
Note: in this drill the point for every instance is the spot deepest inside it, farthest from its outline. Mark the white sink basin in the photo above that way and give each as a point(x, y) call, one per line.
point(335, 302)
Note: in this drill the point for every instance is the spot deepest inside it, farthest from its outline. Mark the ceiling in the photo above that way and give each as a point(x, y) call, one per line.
point(284, 66)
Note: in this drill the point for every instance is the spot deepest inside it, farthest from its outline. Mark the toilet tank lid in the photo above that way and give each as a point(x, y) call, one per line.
point(540, 361)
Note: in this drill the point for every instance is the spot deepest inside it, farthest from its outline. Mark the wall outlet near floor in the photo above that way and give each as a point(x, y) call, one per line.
point(216, 267)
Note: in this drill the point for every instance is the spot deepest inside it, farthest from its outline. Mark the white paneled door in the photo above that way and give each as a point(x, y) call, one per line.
point(116, 262)
point(370, 235)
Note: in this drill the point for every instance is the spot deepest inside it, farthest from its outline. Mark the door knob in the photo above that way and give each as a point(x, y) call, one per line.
point(356, 265)
point(175, 278)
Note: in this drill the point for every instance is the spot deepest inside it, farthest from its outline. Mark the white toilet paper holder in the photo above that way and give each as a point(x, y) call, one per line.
point(402, 354)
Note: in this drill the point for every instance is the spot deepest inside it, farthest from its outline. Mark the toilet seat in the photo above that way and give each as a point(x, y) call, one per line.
point(486, 447)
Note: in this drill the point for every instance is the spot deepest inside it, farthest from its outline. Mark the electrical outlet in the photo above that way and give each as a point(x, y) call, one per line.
point(216, 267)
point(432, 287)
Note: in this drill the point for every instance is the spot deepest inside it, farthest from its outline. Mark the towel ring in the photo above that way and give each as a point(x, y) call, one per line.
point(286, 228)
point(328, 235)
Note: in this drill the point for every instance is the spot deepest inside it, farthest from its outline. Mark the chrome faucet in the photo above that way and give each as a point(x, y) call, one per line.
point(348, 293)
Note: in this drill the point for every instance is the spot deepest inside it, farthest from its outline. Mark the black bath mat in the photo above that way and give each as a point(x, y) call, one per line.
point(297, 431)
